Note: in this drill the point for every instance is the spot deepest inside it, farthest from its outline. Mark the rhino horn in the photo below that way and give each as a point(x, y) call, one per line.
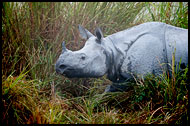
point(63, 47)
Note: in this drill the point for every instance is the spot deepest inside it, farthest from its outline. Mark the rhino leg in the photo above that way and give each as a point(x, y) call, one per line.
point(117, 87)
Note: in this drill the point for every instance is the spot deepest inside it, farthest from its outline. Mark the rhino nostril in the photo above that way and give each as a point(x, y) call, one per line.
point(62, 66)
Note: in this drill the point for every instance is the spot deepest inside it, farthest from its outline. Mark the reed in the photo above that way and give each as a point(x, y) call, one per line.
point(32, 33)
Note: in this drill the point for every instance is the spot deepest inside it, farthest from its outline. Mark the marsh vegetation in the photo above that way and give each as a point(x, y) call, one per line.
point(32, 92)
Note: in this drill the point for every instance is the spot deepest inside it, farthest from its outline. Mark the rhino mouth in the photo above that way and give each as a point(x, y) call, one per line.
point(63, 69)
point(76, 73)
point(68, 71)
point(71, 72)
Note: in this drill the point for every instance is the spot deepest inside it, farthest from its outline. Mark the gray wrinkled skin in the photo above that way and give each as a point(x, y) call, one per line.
point(131, 53)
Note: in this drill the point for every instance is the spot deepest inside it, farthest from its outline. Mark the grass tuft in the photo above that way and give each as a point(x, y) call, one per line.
point(32, 93)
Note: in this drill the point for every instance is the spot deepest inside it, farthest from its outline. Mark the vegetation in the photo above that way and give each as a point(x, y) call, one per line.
point(32, 34)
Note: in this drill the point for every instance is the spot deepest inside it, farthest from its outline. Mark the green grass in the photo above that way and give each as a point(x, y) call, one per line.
point(149, 101)
point(32, 34)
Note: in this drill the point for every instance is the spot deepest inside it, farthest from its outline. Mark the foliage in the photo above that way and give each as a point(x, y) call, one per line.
point(174, 13)
point(32, 33)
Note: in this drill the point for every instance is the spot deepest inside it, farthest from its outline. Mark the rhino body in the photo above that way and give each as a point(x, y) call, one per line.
point(143, 49)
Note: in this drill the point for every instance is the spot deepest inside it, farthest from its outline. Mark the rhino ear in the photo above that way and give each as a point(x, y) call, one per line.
point(85, 34)
point(99, 33)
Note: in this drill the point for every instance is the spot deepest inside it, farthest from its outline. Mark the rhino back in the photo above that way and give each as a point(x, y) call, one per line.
point(146, 48)
point(177, 38)
point(145, 56)
point(146, 51)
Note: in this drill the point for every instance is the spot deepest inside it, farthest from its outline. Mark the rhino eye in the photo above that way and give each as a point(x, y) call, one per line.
point(83, 57)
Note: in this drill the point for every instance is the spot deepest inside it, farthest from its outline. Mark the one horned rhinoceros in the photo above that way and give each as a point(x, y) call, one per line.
point(136, 51)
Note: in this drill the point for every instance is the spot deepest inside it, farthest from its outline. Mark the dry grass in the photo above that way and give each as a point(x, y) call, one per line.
point(32, 34)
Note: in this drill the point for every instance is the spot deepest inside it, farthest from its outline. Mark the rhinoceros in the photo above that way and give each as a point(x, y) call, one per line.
point(140, 50)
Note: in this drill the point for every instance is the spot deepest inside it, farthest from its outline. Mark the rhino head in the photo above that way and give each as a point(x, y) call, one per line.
point(90, 61)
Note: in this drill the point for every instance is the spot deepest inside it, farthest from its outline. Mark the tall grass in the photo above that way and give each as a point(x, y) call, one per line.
point(32, 33)
point(174, 13)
